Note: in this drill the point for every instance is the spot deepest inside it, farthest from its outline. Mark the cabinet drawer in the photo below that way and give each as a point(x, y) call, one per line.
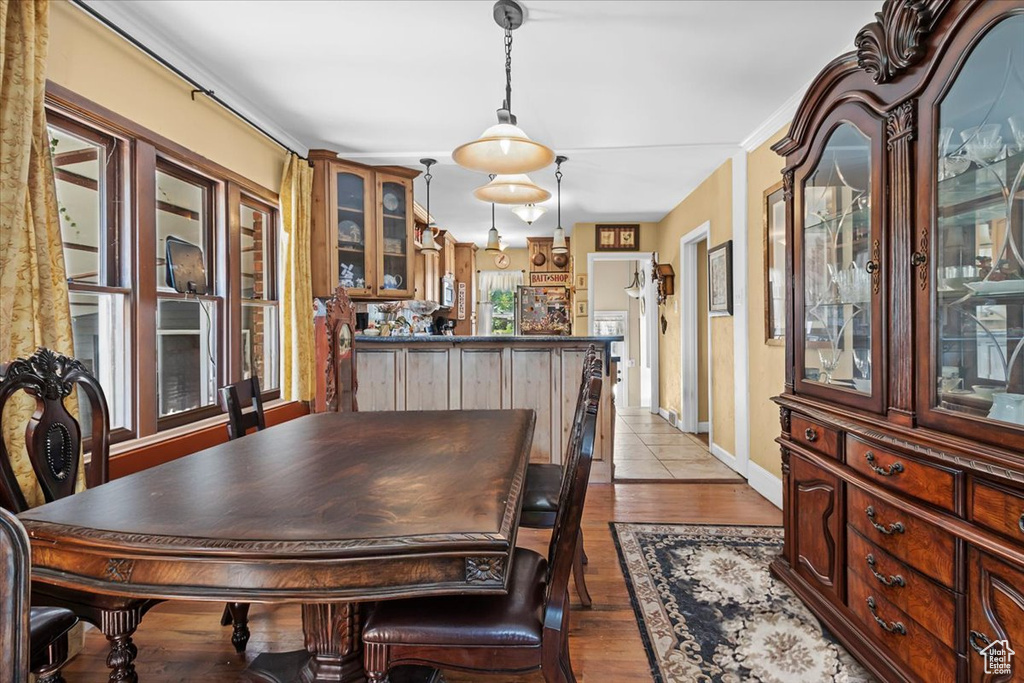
point(916, 478)
point(814, 435)
point(907, 640)
point(921, 545)
point(999, 508)
point(919, 597)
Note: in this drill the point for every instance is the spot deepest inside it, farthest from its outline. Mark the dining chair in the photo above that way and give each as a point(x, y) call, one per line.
point(544, 483)
point(31, 639)
point(524, 630)
point(243, 403)
point(341, 355)
point(53, 438)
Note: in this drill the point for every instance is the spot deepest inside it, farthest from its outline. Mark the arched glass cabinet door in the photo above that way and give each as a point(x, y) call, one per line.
point(976, 360)
point(839, 265)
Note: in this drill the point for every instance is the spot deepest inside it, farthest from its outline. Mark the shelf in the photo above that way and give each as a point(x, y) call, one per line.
point(352, 250)
point(394, 216)
point(977, 187)
point(348, 209)
point(829, 222)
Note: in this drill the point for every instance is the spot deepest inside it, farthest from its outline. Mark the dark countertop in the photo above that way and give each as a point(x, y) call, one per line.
point(361, 339)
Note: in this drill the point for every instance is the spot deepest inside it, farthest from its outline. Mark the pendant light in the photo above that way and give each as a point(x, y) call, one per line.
point(529, 212)
point(558, 245)
point(635, 288)
point(504, 148)
point(428, 241)
point(493, 238)
point(516, 188)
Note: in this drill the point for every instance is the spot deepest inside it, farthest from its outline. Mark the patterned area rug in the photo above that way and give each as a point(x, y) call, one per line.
point(708, 609)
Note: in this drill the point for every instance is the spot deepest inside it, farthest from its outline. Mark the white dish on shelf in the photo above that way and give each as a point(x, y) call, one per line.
point(996, 287)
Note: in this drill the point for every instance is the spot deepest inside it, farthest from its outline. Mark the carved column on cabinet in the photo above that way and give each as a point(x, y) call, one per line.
point(787, 543)
point(787, 195)
point(899, 130)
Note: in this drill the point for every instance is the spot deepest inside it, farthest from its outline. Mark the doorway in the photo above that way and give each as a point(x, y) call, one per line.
point(695, 379)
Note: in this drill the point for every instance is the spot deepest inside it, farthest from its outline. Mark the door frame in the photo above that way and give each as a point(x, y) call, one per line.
point(689, 420)
point(650, 295)
point(624, 368)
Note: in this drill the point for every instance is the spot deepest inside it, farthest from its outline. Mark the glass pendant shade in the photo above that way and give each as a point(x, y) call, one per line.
point(529, 212)
point(558, 245)
point(503, 149)
point(493, 240)
point(428, 241)
point(512, 189)
point(635, 288)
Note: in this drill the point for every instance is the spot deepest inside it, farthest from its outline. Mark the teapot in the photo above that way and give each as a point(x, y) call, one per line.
point(392, 281)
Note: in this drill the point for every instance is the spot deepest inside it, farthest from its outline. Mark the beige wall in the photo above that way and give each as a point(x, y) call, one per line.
point(767, 362)
point(92, 61)
point(710, 201)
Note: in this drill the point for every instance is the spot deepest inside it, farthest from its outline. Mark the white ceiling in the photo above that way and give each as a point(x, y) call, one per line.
point(645, 98)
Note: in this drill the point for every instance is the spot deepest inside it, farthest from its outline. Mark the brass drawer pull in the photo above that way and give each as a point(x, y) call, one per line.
point(896, 580)
point(889, 471)
point(979, 641)
point(894, 528)
point(810, 435)
point(889, 627)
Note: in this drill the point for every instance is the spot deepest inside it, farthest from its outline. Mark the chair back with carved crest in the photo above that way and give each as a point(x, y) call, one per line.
point(341, 354)
point(15, 641)
point(244, 405)
point(53, 437)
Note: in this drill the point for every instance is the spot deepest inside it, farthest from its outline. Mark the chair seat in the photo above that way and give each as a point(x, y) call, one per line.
point(483, 620)
point(540, 497)
point(47, 625)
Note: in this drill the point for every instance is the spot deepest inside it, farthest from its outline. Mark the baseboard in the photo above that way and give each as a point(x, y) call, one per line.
point(703, 427)
point(724, 455)
point(765, 483)
point(664, 413)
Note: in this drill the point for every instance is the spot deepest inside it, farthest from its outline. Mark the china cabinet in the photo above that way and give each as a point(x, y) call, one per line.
point(903, 412)
point(362, 228)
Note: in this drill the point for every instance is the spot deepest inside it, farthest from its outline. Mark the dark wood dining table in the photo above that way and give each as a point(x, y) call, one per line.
point(331, 510)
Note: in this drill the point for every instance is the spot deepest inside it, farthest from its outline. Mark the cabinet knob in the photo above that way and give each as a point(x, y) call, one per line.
point(919, 258)
point(979, 641)
point(1020, 523)
point(871, 267)
point(810, 435)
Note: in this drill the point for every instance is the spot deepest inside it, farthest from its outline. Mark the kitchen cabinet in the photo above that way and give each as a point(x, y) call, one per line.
point(464, 310)
point(426, 281)
point(903, 411)
point(361, 228)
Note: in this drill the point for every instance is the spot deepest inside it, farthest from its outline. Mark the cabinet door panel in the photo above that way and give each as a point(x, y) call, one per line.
point(427, 379)
point(380, 382)
point(815, 502)
point(533, 386)
point(395, 235)
point(353, 223)
point(995, 613)
point(483, 383)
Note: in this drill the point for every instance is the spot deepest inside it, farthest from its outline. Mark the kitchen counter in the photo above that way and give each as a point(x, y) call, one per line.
point(486, 373)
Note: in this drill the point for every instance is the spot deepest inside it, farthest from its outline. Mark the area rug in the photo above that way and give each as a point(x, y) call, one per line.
point(708, 610)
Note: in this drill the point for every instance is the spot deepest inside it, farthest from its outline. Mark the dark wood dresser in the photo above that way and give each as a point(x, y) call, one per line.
point(903, 413)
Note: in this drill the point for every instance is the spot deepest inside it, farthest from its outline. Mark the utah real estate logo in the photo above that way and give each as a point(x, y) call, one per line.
point(998, 657)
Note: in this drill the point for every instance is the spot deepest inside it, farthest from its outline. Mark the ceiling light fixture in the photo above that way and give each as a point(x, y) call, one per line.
point(512, 189)
point(558, 245)
point(529, 212)
point(493, 238)
point(504, 148)
point(636, 287)
point(428, 243)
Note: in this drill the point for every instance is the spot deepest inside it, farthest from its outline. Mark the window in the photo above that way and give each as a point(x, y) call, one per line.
point(503, 317)
point(259, 341)
point(497, 309)
point(159, 354)
point(87, 173)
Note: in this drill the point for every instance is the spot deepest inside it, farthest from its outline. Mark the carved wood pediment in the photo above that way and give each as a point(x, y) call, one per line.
point(894, 41)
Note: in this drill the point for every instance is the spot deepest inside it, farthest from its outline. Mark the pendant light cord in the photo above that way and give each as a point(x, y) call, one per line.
point(508, 65)
point(558, 179)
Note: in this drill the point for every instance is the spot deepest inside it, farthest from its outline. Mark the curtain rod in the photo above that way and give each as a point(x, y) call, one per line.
point(181, 74)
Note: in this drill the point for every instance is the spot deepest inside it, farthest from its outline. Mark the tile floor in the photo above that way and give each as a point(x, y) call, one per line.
point(647, 447)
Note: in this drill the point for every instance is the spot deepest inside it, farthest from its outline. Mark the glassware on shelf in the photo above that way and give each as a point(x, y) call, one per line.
point(829, 361)
point(1016, 123)
point(951, 163)
point(982, 144)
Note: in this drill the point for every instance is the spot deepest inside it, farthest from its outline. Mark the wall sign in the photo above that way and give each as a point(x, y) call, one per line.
point(461, 305)
point(550, 279)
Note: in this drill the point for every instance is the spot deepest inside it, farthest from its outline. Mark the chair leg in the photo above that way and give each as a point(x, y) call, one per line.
point(560, 671)
point(375, 662)
point(237, 615)
point(56, 658)
point(577, 573)
point(586, 560)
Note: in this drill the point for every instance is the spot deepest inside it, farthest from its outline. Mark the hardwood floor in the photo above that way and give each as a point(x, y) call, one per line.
point(184, 641)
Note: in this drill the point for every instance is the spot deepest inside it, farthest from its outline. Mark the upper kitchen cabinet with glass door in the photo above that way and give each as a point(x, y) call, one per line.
point(362, 228)
point(838, 263)
point(973, 379)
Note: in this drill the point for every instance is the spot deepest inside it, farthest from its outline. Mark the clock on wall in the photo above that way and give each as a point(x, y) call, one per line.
point(502, 260)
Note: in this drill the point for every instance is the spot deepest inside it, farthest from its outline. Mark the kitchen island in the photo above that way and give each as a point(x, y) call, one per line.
point(484, 373)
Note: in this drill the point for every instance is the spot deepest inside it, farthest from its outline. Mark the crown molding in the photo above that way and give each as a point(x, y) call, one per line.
point(121, 15)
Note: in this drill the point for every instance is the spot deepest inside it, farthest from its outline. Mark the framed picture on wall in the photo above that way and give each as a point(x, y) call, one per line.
point(720, 279)
point(617, 238)
point(774, 266)
point(581, 308)
point(581, 281)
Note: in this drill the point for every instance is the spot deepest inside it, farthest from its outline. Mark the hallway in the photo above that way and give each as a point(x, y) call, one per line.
point(648, 448)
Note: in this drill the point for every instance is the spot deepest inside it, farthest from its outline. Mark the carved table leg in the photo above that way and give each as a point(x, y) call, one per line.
point(333, 636)
point(118, 626)
point(237, 615)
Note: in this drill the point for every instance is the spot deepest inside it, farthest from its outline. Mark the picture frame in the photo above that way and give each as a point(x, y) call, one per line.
point(581, 281)
point(774, 220)
point(617, 238)
point(581, 308)
point(720, 279)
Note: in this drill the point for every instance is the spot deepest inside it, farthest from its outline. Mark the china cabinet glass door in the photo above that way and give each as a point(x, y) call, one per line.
point(355, 232)
point(395, 213)
point(839, 264)
point(977, 268)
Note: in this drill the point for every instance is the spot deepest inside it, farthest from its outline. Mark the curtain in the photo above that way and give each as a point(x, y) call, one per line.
point(34, 307)
point(298, 359)
point(493, 281)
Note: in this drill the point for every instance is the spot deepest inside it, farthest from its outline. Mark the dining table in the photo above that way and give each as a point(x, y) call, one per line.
point(332, 511)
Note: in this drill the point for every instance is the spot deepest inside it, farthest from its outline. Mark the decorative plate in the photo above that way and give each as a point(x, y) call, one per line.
point(390, 201)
